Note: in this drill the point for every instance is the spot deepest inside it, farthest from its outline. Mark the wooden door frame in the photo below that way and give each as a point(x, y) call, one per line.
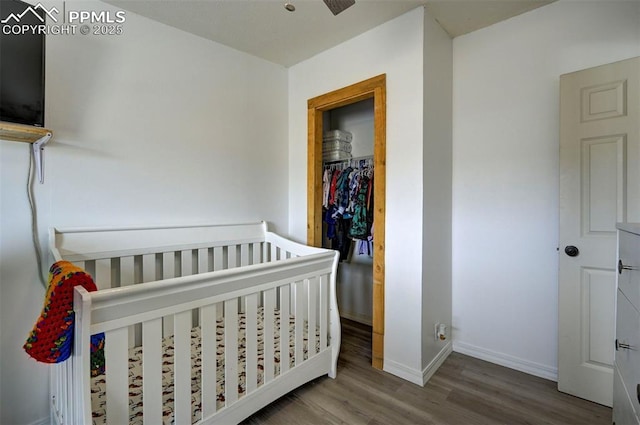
point(373, 88)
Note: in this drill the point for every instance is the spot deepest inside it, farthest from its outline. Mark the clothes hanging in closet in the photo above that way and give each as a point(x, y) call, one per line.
point(348, 206)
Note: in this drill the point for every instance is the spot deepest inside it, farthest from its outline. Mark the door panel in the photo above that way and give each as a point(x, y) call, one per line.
point(602, 179)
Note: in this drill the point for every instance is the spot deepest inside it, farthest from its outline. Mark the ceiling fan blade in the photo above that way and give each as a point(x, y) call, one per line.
point(337, 6)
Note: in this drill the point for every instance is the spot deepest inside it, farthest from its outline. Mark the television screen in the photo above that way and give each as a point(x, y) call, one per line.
point(21, 64)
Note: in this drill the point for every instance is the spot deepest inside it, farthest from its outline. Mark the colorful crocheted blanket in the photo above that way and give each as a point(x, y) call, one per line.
point(51, 339)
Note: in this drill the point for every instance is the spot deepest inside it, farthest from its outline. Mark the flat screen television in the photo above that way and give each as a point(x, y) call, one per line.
point(21, 64)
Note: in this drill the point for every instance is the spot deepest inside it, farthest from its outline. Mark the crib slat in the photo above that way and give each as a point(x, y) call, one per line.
point(149, 268)
point(60, 395)
point(312, 292)
point(152, 371)
point(115, 272)
point(182, 368)
point(187, 262)
point(232, 256)
point(62, 390)
point(268, 336)
point(53, 387)
point(231, 351)
point(274, 252)
point(257, 253)
point(244, 255)
point(168, 265)
point(137, 269)
point(217, 258)
point(129, 275)
point(299, 321)
point(68, 369)
point(203, 260)
point(208, 326)
point(250, 254)
point(117, 377)
point(168, 272)
point(324, 311)
point(251, 338)
point(90, 267)
point(159, 265)
point(102, 276)
point(285, 312)
point(127, 272)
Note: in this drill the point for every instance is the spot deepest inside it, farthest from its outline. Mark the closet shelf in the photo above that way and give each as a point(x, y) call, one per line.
point(22, 133)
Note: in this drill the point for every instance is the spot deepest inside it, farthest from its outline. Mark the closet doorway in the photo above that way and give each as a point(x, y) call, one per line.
point(373, 88)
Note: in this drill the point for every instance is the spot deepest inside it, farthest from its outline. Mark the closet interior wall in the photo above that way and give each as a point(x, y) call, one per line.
point(355, 277)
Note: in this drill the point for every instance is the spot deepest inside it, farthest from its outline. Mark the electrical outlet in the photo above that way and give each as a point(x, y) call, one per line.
point(440, 330)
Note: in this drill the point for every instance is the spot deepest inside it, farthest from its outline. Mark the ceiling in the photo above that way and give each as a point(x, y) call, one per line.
point(264, 28)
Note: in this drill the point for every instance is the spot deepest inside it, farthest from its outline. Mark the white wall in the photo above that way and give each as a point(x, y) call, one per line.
point(153, 126)
point(394, 48)
point(356, 118)
point(505, 180)
point(436, 206)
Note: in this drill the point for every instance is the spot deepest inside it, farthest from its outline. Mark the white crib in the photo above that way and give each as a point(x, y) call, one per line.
point(170, 302)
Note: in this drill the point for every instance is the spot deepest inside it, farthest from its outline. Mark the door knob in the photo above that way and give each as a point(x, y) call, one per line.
point(621, 267)
point(624, 346)
point(571, 251)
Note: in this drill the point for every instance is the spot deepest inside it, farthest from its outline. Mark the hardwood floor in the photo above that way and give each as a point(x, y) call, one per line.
point(463, 391)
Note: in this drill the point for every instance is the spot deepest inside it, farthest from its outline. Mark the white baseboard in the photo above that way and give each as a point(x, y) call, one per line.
point(416, 376)
point(435, 364)
point(412, 375)
point(523, 365)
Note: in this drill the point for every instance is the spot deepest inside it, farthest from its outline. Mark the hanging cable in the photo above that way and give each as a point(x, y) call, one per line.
point(34, 218)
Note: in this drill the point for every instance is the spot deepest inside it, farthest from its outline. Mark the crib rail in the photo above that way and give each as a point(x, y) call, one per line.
point(147, 294)
point(118, 307)
point(86, 244)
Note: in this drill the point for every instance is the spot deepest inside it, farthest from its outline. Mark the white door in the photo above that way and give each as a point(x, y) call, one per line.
point(599, 186)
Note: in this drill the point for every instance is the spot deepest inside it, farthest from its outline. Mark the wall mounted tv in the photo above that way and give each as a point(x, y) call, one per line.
point(21, 64)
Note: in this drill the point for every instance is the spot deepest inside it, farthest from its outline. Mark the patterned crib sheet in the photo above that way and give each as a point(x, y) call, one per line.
point(98, 383)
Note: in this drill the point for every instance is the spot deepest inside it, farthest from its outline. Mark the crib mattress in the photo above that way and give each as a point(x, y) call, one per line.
point(98, 383)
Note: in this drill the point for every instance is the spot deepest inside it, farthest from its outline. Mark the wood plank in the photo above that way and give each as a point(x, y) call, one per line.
point(314, 177)
point(372, 88)
point(21, 133)
point(463, 391)
point(379, 196)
